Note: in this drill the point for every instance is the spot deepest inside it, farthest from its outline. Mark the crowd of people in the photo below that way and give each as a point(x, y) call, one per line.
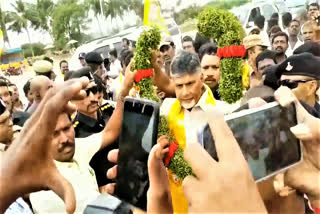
point(63, 142)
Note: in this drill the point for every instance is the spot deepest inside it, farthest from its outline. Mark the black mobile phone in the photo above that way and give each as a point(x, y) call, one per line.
point(138, 135)
point(264, 137)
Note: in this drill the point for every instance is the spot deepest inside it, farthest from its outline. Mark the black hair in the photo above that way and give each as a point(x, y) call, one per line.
point(62, 61)
point(314, 5)
point(126, 40)
point(209, 49)
point(280, 34)
point(199, 41)
point(126, 57)
point(266, 54)
point(26, 87)
point(259, 21)
point(107, 63)
point(310, 47)
point(274, 29)
point(188, 39)
point(3, 82)
point(275, 16)
point(294, 20)
point(48, 59)
point(271, 78)
point(286, 19)
point(114, 53)
point(185, 63)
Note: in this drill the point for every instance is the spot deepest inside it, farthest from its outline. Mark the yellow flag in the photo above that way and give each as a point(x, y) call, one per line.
point(152, 15)
point(1, 41)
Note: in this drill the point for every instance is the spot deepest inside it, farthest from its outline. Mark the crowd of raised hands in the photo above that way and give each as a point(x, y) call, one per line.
point(215, 187)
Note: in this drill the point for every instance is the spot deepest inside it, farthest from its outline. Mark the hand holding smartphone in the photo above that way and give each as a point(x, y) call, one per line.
point(138, 135)
point(264, 137)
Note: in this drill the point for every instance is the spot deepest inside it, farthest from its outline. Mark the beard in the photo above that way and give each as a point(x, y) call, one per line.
point(188, 105)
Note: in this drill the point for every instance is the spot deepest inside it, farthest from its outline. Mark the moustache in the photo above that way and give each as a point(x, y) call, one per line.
point(93, 103)
point(65, 145)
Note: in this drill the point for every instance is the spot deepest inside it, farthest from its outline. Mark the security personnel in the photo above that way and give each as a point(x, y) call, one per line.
point(301, 73)
point(44, 67)
point(91, 118)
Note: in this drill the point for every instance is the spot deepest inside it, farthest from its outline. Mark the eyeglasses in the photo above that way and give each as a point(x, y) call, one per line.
point(93, 89)
point(292, 84)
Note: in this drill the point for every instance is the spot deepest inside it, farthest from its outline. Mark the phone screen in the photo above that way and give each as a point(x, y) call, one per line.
point(138, 135)
point(264, 138)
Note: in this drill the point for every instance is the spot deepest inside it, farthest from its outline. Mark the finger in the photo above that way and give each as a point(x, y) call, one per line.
point(112, 172)
point(199, 160)
point(63, 188)
point(226, 145)
point(163, 141)
point(113, 155)
point(302, 132)
point(190, 184)
point(284, 96)
point(110, 188)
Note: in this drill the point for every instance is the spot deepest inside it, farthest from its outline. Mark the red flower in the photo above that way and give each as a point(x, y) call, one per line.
point(232, 51)
point(173, 147)
point(143, 74)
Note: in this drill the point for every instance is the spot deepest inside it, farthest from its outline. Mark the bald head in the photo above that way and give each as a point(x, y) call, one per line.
point(39, 87)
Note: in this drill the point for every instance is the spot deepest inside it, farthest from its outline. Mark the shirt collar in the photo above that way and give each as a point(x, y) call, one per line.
point(91, 122)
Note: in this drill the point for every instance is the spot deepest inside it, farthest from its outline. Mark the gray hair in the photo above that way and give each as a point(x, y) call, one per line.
point(185, 63)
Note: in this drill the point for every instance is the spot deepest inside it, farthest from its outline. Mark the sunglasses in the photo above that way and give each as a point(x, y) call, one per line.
point(93, 89)
point(292, 84)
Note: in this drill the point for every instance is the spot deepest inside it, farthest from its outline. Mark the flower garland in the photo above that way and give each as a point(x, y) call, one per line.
point(148, 40)
point(226, 29)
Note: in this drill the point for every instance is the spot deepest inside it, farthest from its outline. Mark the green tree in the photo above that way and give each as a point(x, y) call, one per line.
point(69, 20)
point(4, 19)
point(24, 16)
point(45, 9)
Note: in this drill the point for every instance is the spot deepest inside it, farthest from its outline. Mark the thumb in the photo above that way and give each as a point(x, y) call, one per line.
point(63, 188)
point(302, 132)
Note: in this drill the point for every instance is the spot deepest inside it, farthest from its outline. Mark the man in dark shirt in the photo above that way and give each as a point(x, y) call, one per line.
point(92, 117)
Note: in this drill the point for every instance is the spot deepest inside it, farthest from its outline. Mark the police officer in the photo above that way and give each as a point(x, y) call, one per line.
point(92, 117)
point(301, 73)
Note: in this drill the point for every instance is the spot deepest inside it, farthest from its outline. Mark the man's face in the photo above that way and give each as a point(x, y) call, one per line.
point(304, 90)
point(312, 11)
point(280, 45)
point(125, 45)
point(168, 53)
point(64, 67)
point(294, 28)
point(307, 34)
point(262, 66)
point(210, 68)
point(15, 94)
point(254, 52)
point(100, 70)
point(188, 46)
point(6, 130)
point(82, 61)
point(188, 89)
point(6, 97)
point(63, 144)
point(91, 103)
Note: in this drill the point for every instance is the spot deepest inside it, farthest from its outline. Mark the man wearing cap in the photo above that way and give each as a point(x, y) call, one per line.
point(44, 67)
point(167, 49)
point(92, 118)
point(82, 60)
point(254, 45)
point(301, 74)
point(95, 62)
point(280, 45)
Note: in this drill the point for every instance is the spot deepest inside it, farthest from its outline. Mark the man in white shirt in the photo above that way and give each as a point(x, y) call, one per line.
point(293, 31)
point(115, 66)
point(72, 159)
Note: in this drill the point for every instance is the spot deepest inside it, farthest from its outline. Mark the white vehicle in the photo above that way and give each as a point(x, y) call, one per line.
point(104, 45)
point(248, 12)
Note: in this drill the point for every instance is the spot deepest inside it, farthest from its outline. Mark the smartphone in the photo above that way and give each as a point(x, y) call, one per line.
point(138, 135)
point(264, 137)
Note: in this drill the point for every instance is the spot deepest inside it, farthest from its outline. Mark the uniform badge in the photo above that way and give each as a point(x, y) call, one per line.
point(289, 67)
